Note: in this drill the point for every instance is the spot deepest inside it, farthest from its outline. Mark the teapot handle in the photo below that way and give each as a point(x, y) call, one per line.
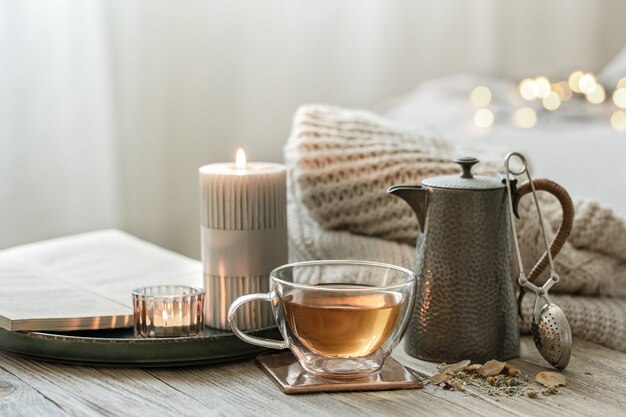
point(564, 228)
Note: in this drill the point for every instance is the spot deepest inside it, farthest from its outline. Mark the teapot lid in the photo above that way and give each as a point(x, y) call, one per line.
point(465, 181)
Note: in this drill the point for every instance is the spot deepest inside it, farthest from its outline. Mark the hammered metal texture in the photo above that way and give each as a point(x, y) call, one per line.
point(465, 306)
point(477, 182)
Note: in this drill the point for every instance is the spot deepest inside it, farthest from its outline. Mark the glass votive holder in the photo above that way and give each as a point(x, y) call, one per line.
point(168, 311)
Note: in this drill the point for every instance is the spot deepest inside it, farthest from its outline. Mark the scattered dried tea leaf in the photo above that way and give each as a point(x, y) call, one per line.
point(475, 367)
point(492, 367)
point(550, 379)
point(456, 367)
point(553, 390)
point(494, 378)
point(456, 385)
point(511, 371)
point(441, 377)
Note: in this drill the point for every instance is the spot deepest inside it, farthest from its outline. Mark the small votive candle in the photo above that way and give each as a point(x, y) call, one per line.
point(168, 311)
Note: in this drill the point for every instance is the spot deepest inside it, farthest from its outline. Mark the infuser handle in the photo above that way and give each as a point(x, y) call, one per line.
point(565, 227)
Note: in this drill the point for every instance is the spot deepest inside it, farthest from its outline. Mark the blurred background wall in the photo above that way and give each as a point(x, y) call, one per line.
point(108, 107)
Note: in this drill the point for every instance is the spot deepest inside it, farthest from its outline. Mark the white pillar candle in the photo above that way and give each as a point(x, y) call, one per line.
point(244, 236)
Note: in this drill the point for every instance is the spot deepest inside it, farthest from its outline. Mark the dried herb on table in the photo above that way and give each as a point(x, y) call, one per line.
point(550, 379)
point(494, 378)
point(456, 367)
point(441, 378)
point(492, 367)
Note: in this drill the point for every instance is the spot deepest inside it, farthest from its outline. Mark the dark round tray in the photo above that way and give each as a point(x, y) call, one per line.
point(119, 347)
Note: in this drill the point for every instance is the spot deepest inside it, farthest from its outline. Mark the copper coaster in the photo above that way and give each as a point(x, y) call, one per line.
point(287, 373)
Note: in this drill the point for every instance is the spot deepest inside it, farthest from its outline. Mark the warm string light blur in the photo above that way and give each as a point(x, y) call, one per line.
point(551, 101)
point(524, 118)
point(619, 97)
point(481, 97)
point(618, 121)
point(552, 95)
point(483, 118)
point(586, 83)
point(531, 89)
point(562, 90)
point(573, 80)
point(596, 95)
point(541, 87)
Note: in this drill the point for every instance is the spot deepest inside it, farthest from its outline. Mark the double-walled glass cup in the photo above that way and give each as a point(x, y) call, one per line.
point(339, 318)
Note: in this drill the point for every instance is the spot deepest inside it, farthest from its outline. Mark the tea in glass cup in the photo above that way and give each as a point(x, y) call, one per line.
point(339, 318)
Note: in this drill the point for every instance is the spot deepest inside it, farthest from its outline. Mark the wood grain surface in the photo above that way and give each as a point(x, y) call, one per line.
point(596, 386)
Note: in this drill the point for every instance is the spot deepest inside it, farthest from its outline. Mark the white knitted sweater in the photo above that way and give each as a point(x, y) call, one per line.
point(340, 164)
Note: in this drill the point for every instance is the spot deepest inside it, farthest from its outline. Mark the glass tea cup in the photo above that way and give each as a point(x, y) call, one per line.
point(339, 318)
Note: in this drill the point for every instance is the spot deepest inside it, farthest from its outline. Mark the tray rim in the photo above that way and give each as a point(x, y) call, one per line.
point(131, 352)
point(50, 335)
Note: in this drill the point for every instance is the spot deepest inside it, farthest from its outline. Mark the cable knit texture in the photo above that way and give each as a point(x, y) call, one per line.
point(341, 162)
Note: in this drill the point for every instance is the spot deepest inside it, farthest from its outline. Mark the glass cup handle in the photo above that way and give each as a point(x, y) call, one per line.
point(259, 341)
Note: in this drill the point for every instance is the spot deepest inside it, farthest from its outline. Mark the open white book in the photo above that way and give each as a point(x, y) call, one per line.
point(84, 281)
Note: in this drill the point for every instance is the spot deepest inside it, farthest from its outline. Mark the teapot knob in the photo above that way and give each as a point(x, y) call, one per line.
point(466, 163)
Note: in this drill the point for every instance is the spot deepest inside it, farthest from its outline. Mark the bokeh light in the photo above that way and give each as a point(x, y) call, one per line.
point(573, 80)
point(481, 96)
point(562, 90)
point(621, 83)
point(524, 118)
point(586, 83)
point(551, 101)
point(483, 118)
point(619, 98)
point(541, 87)
point(526, 87)
point(618, 121)
point(596, 95)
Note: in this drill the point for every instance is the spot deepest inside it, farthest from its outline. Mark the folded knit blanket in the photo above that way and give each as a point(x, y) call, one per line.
point(340, 164)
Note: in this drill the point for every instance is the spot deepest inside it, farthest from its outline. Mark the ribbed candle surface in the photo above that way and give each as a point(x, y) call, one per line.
point(253, 198)
point(244, 236)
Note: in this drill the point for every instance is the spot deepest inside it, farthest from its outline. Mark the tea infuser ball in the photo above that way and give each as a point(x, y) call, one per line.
point(550, 329)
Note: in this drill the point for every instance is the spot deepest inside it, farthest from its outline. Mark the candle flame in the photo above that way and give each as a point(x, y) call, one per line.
point(240, 160)
point(164, 315)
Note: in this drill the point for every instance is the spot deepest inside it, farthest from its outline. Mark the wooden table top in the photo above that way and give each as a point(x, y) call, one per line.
point(596, 386)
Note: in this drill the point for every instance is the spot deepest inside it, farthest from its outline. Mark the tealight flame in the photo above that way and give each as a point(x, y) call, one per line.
point(240, 159)
point(164, 315)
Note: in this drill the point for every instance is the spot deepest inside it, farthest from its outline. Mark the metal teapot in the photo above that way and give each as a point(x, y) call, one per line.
point(466, 292)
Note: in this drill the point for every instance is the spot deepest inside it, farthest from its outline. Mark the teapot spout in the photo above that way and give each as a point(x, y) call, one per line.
point(415, 197)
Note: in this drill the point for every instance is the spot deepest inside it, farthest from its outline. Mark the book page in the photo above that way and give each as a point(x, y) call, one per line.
point(88, 276)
